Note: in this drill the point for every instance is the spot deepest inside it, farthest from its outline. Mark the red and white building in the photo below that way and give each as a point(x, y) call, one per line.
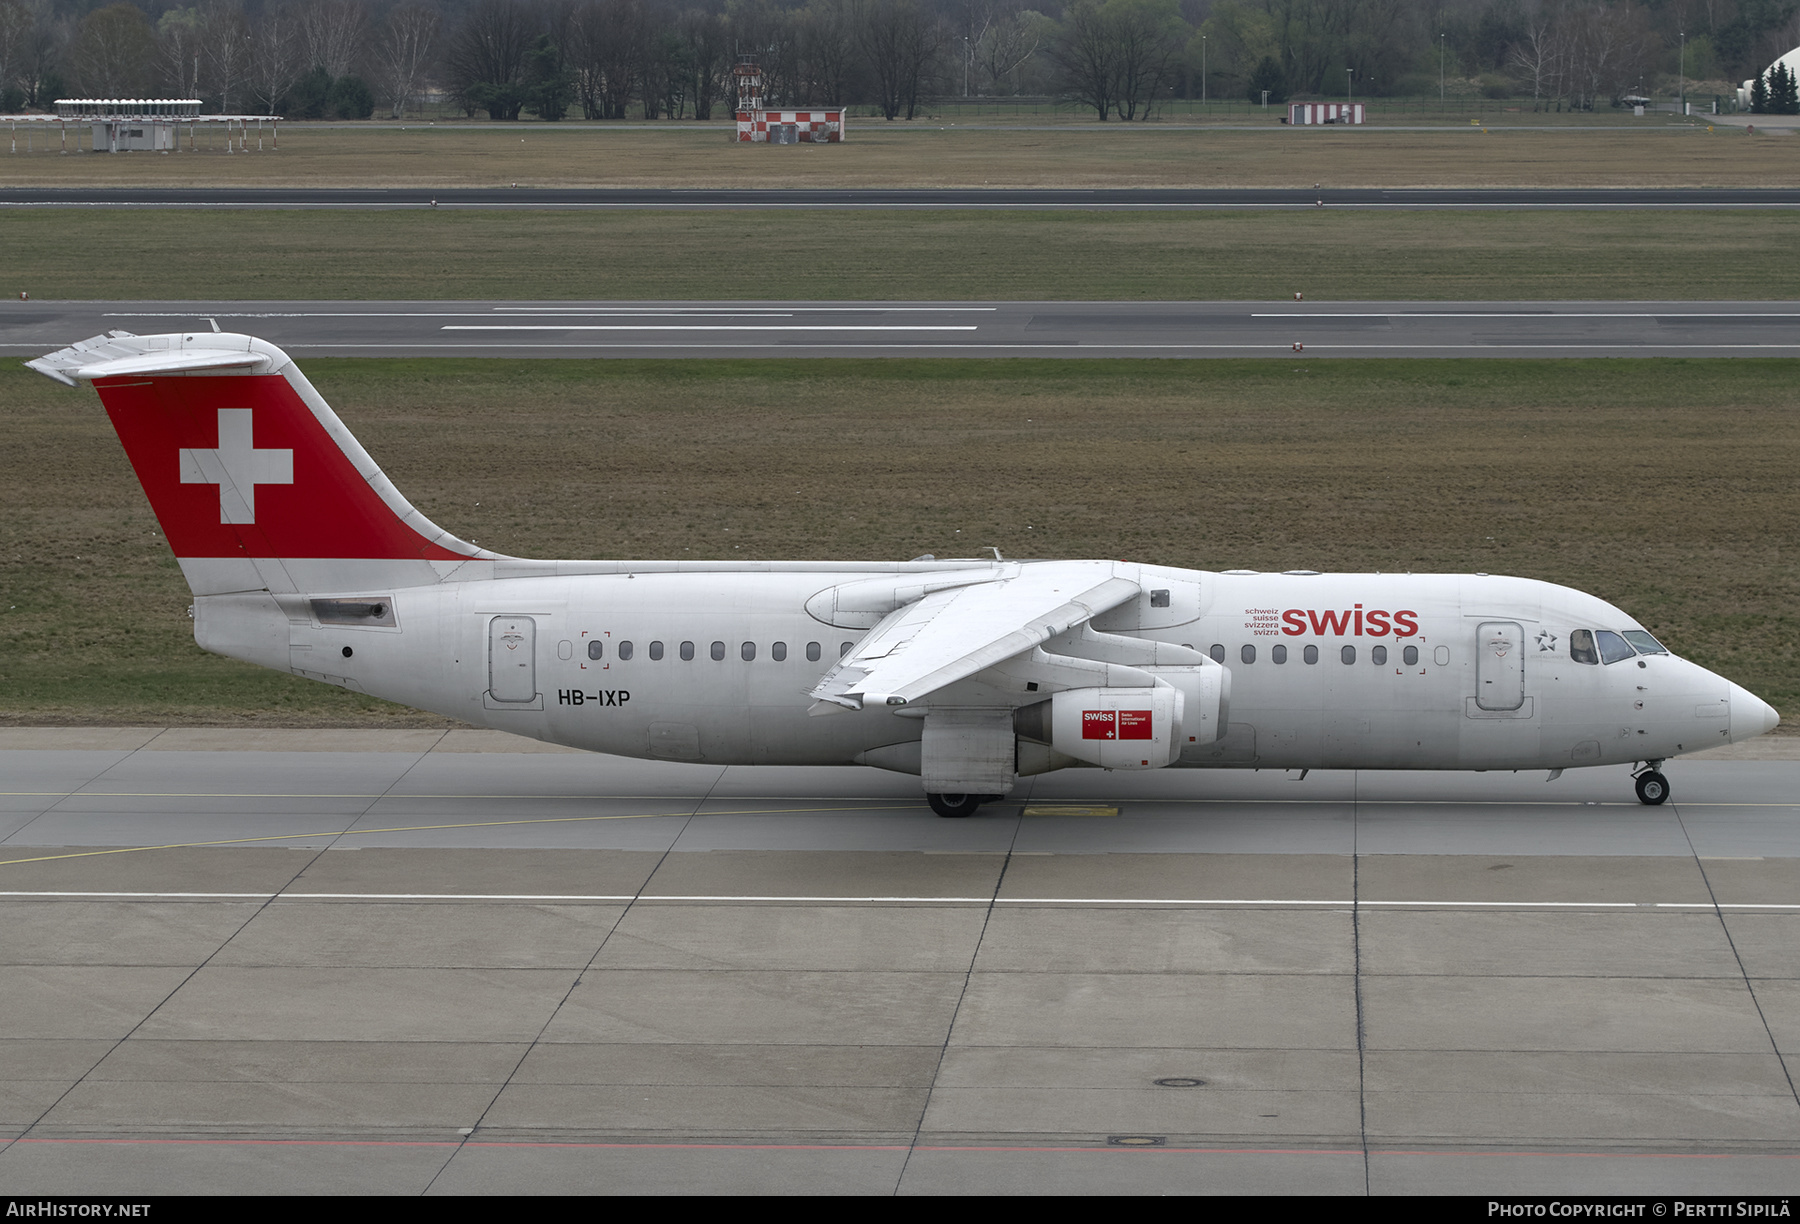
point(757, 125)
point(1326, 112)
point(791, 126)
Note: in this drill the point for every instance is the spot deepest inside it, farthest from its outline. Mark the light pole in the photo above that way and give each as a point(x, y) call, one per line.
point(968, 54)
point(1682, 96)
point(1349, 93)
point(1440, 69)
point(1203, 74)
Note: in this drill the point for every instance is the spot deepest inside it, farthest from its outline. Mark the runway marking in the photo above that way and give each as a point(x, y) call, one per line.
point(820, 899)
point(805, 327)
point(530, 311)
point(1523, 314)
point(1050, 348)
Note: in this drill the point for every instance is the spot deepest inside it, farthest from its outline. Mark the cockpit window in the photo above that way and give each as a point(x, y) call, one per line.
point(1581, 647)
point(1613, 648)
point(1644, 642)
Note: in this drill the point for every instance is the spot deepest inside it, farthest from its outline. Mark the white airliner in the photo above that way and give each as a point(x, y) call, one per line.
point(303, 557)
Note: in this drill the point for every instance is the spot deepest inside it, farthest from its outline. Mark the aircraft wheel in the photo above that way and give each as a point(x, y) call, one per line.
point(954, 805)
point(1652, 788)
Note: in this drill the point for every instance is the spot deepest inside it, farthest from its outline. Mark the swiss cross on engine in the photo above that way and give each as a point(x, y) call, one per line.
point(236, 466)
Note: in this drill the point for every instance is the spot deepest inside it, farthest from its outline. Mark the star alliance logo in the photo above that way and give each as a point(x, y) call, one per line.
point(1546, 640)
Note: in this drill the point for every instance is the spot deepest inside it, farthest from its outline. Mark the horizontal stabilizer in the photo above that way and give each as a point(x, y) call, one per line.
point(121, 354)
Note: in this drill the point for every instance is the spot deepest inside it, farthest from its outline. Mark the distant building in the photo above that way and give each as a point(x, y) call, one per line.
point(1790, 61)
point(150, 125)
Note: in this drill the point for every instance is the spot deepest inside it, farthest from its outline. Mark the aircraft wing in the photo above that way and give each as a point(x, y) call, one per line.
point(950, 635)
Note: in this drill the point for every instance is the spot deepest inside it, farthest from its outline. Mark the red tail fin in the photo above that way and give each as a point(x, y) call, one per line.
point(243, 461)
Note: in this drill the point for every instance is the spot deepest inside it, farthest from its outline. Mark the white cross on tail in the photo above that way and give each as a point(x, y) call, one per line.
point(237, 467)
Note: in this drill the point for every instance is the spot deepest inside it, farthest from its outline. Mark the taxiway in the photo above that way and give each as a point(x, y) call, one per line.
point(428, 962)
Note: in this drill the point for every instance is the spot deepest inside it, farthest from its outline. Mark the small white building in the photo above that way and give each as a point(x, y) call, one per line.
point(124, 125)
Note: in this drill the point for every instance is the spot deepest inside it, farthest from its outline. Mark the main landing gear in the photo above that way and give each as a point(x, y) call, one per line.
point(1652, 787)
point(958, 805)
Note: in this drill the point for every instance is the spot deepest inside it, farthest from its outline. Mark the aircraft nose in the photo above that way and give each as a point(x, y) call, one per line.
point(1750, 715)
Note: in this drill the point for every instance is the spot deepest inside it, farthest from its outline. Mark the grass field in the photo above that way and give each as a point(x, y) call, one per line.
point(1668, 487)
point(1657, 151)
point(900, 255)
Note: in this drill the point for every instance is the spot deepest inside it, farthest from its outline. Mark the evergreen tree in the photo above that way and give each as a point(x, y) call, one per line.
point(1268, 75)
point(1759, 97)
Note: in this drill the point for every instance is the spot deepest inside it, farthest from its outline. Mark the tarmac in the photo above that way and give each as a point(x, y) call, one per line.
point(418, 961)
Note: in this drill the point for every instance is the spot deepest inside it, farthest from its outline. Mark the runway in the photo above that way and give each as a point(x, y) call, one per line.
point(530, 197)
point(427, 962)
point(940, 329)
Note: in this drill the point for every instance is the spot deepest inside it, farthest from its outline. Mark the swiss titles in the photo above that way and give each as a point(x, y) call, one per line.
point(1349, 622)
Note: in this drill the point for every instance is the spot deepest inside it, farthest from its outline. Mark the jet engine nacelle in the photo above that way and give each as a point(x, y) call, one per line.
point(1118, 728)
point(1206, 701)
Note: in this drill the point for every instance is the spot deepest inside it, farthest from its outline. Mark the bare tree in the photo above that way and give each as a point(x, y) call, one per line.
point(901, 43)
point(488, 57)
point(178, 35)
point(275, 57)
point(42, 51)
point(829, 60)
point(1535, 57)
point(404, 51)
point(708, 59)
point(1086, 59)
point(15, 30)
point(1149, 36)
point(610, 50)
point(227, 49)
point(112, 52)
point(334, 33)
point(1004, 45)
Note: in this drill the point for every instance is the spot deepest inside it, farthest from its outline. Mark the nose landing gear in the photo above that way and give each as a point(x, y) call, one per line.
point(1652, 787)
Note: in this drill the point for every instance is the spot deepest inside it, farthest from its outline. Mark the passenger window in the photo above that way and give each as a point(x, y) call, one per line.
point(1410, 656)
point(1278, 654)
point(687, 651)
point(656, 650)
point(1613, 648)
point(1159, 599)
point(748, 651)
point(1581, 647)
point(1348, 654)
point(718, 652)
point(1248, 654)
point(1644, 642)
point(1217, 652)
point(596, 648)
point(1378, 655)
point(1310, 654)
point(812, 652)
point(624, 650)
point(845, 649)
point(778, 652)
